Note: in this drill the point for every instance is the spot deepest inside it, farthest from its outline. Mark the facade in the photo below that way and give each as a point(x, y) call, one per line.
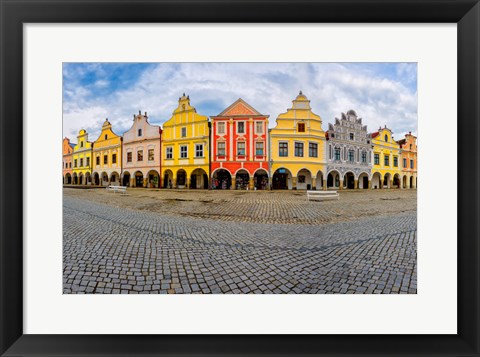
point(349, 153)
point(67, 161)
point(82, 160)
point(386, 172)
point(141, 153)
point(239, 148)
point(408, 153)
point(297, 148)
point(107, 157)
point(185, 148)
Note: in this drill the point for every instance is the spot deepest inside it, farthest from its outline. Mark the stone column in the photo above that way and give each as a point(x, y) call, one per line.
point(391, 183)
point(356, 184)
point(324, 185)
point(294, 183)
point(369, 184)
point(187, 182)
point(232, 187)
point(314, 183)
point(145, 182)
point(251, 185)
point(174, 182)
point(414, 182)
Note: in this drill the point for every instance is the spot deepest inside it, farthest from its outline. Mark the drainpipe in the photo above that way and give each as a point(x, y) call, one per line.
point(160, 162)
point(209, 154)
point(270, 178)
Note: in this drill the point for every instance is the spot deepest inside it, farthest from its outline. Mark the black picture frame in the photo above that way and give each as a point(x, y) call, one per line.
point(466, 13)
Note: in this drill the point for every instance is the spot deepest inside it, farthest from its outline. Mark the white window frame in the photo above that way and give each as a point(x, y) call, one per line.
point(244, 127)
point(184, 151)
point(169, 151)
point(224, 125)
point(259, 123)
point(197, 149)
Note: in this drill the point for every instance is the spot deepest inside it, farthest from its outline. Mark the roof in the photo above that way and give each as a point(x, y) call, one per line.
point(374, 135)
point(239, 108)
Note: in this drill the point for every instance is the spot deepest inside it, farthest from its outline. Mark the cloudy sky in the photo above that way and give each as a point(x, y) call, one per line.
point(380, 93)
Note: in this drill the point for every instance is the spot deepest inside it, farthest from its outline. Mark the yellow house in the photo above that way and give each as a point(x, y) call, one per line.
point(107, 157)
point(82, 160)
point(386, 170)
point(297, 148)
point(185, 148)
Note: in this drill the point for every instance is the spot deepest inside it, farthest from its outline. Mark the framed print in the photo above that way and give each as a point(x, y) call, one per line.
point(239, 178)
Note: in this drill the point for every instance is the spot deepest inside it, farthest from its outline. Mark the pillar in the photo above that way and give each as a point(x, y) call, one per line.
point(294, 183)
point(324, 185)
point(391, 183)
point(314, 183)
point(145, 181)
point(250, 183)
point(232, 186)
point(369, 184)
point(355, 184)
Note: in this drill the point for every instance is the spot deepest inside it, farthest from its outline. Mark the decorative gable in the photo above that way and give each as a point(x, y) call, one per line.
point(240, 107)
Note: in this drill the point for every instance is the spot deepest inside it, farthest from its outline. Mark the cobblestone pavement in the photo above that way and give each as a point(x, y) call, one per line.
point(110, 248)
point(286, 207)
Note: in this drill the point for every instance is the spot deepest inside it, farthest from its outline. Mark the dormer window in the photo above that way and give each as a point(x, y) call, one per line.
point(106, 136)
point(81, 144)
point(184, 132)
point(139, 132)
point(301, 127)
point(386, 138)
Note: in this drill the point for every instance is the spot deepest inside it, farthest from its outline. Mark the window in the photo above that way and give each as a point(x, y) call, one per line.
point(169, 152)
point(81, 144)
point(351, 156)
point(70, 165)
point(184, 132)
point(106, 136)
point(337, 154)
point(283, 149)
point(151, 155)
point(183, 151)
point(241, 127)
point(364, 157)
point(221, 148)
point(404, 162)
point(81, 162)
point(411, 164)
point(376, 159)
point(410, 146)
point(198, 150)
point(313, 149)
point(114, 158)
point(129, 156)
point(351, 136)
point(259, 127)
point(386, 160)
point(88, 161)
point(299, 149)
point(139, 132)
point(140, 155)
point(75, 163)
point(97, 161)
point(105, 159)
point(333, 135)
point(259, 148)
point(240, 148)
point(301, 127)
point(395, 161)
point(301, 178)
point(368, 141)
point(386, 138)
point(221, 128)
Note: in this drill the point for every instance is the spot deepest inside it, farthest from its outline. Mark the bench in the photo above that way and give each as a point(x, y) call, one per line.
point(122, 189)
point(322, 195)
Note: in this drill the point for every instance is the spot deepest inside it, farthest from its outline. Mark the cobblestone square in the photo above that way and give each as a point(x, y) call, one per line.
point(260, 242)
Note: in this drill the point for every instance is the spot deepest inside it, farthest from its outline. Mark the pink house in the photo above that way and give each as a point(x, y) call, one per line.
point(141, 153)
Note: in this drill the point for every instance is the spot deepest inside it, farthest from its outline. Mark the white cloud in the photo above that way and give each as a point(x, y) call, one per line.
point(270, 88)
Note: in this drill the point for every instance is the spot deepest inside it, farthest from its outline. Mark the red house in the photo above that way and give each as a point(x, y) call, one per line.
point(239, 157)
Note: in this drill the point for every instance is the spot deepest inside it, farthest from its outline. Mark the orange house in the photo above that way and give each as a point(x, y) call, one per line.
point(408, 153)
point(67, 161)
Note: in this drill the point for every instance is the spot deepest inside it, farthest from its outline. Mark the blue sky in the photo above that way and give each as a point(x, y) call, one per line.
point(380, 93)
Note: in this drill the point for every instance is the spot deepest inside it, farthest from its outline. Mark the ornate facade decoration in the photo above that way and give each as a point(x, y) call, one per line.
point(349, 153)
